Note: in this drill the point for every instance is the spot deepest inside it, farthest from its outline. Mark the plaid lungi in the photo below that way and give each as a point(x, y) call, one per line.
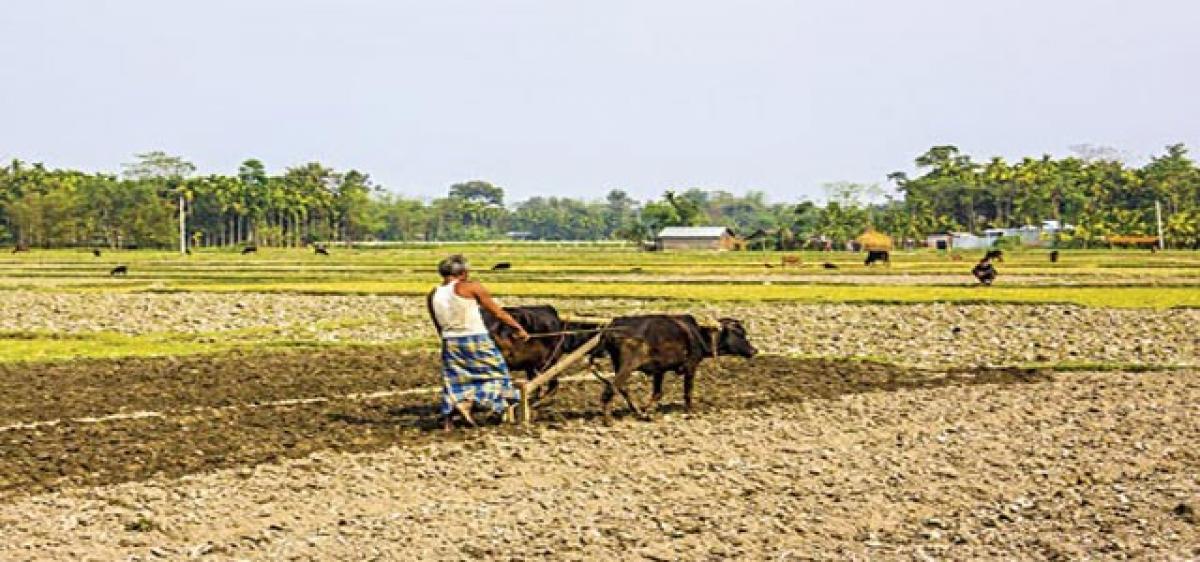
point(474, 369)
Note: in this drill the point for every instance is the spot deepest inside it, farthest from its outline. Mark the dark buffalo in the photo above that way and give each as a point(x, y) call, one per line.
point(96, 253)
point(321, 250)
point(20, 248)
point(997, 255)
point(249, 250)
point(502, 266)
point(656, 344)
point(828, 265)
point(877, 256)
point(119, 270)
point(1053, 256)
point(537, 353)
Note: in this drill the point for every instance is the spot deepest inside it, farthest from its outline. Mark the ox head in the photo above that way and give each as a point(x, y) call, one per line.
point(732, 339)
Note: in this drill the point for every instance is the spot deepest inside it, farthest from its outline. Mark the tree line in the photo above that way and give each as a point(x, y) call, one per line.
point(312, 203)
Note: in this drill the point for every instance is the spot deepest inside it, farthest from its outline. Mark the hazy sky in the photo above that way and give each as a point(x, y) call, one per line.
point(560, 97)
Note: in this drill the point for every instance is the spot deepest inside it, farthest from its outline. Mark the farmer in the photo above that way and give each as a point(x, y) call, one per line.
point(473, 370)
point(984, 271)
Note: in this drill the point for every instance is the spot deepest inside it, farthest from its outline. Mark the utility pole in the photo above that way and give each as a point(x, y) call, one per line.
point(182, 225)
point(1162, 243)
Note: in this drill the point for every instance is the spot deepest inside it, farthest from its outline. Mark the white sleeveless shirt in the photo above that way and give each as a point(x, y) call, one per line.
point(457, 316)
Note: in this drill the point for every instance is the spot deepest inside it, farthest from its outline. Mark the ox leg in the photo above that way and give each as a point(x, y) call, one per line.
point(689, 380)
point(656, 394)
point(606, 399)
point(545, 394)
point(620, 382)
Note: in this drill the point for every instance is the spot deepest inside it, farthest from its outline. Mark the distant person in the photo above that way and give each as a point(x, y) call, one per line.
point(984, 271)
point(473, 370)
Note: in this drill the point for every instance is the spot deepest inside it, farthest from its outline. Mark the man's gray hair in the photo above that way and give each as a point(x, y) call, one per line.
point(453, 266)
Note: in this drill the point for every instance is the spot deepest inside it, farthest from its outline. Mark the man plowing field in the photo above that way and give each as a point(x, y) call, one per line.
point(474, 372)
point(480, 340)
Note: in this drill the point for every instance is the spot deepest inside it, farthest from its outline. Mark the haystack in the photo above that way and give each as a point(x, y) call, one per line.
point(873, 240)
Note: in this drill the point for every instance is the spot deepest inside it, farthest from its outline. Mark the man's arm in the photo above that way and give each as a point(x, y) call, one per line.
point(484, 298)
point(429, 307)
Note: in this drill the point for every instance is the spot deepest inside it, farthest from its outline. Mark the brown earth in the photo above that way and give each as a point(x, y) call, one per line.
point(176, 416)
point(785, 458)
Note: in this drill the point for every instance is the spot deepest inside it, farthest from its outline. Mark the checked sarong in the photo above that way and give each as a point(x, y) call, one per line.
point(473, 369)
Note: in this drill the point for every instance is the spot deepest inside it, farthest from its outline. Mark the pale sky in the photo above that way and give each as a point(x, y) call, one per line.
point(561, 97)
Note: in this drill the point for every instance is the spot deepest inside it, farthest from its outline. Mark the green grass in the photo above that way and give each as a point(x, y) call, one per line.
point(1163, 280)
point(52, 347)
point(1116, 297)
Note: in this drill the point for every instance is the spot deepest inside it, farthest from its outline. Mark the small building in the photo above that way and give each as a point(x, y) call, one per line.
point(968, 241)
point(696, 238)
point(1029, 235)
point(941, 241)
point(519, 235)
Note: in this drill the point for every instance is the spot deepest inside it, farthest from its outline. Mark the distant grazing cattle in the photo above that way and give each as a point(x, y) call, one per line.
point(828, 265)
point(877, 255)
point(791, 260)
point(119, 270)
point(658, 343)
point(96, 253)
point(249, 250)
point(321, 250)
point(997, 255)
point(20, 248)
point(768, 266)
point(1054, 256)
point(502, 266)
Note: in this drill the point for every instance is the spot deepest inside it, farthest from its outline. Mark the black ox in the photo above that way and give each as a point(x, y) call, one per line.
point(537, 353)
point(656, 344)
point(877, 256)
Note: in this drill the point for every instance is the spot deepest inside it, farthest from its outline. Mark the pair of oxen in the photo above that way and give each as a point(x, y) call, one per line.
point(653, 344)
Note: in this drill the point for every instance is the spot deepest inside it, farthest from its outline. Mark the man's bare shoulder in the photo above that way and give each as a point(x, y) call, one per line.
point(469, 288)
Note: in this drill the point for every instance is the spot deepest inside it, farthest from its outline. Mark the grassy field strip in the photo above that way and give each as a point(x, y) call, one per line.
point(42, 347)
point(529, 256)
point(376, 273)
point(1121, 297)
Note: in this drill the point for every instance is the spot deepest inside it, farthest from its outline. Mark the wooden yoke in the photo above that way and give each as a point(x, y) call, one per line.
point(716, 335)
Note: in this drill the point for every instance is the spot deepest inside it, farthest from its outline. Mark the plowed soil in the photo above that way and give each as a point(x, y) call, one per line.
point(336, 454)
point(105, 421)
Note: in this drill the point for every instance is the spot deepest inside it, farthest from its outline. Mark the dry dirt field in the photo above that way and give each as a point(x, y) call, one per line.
point(248, 424)
point(784, 459)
